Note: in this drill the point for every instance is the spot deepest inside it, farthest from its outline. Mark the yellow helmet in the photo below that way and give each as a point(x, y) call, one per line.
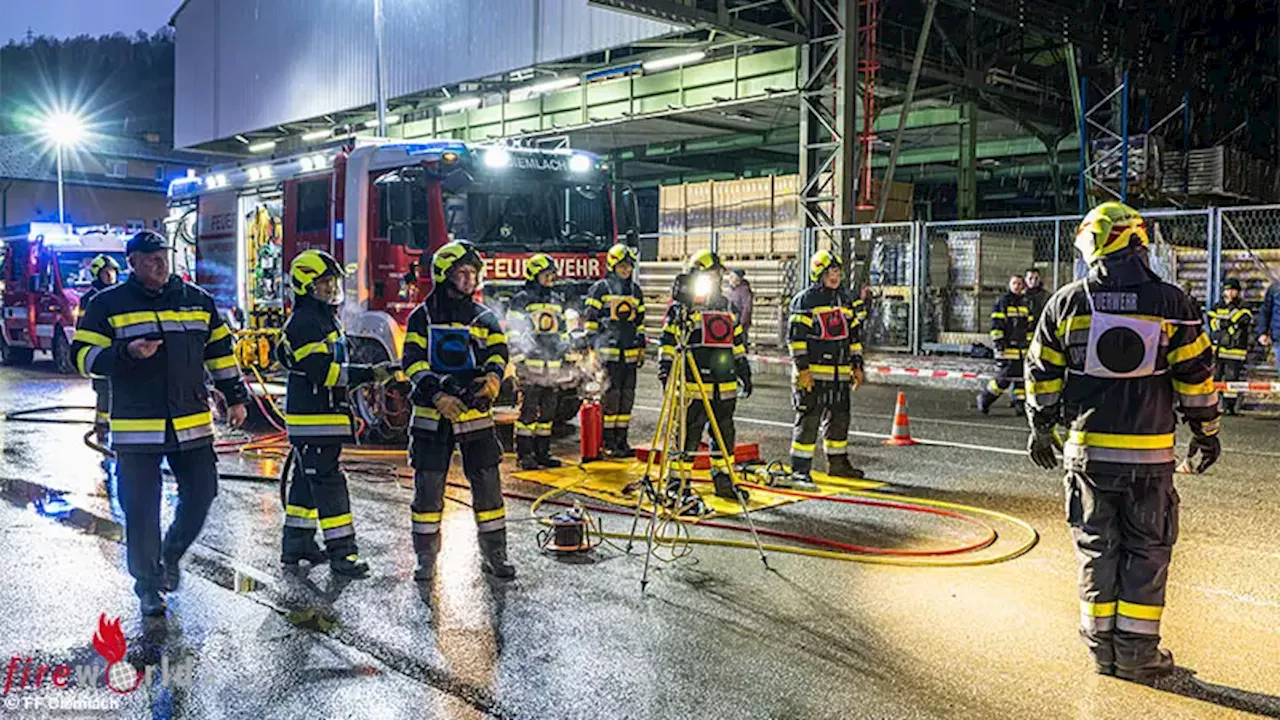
point(308, 267)
point(1110, 228)
point(102, 262)
point(536, 264)
point(704, 260)
point(621, 253)
point(822, 261)
point(458, 251)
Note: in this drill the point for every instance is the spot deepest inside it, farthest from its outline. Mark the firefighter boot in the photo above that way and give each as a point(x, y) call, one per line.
point(172, 576)
point(1229, 404)
point(428, 547)
point(621, 448)
point(151, 604)
point(726, 489)
point(349, 565)
point(527, 457)
point(542, 449)
point(1102, 649)
point(684, 502)
point(985, 399)
point(300, 544)
point(839, 466)
point(1158, 666)
point(493, 551)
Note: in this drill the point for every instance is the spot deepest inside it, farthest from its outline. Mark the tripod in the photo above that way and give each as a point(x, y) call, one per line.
point(672, 432)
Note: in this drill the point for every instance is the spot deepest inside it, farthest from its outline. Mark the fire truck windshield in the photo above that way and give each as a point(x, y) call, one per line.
point(527, 215)
point(73, 268)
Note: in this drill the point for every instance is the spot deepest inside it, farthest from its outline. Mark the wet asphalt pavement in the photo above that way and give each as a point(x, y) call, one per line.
point(714, 635)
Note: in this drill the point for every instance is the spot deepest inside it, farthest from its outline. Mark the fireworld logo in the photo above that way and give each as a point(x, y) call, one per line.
point(114, 673)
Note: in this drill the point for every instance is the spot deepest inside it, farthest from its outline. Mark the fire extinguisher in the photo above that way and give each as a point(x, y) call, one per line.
point(591, 423)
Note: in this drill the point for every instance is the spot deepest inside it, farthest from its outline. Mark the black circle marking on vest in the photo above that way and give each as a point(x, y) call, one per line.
point(718, 329)
point(1121, 350)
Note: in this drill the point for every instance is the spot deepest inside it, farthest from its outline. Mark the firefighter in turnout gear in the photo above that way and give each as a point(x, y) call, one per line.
point(1230, 324)
point(156, 337)
point(1011, 333)
point(539, 340)
point(313, 348)
point(615, 328)
point(1116, 358)
point(105, 271)
point(716, 346)
point(1036, 297)
point(455, 355)
point(824, 336)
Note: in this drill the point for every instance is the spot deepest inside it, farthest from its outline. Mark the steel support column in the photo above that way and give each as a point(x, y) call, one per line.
point(967, 188)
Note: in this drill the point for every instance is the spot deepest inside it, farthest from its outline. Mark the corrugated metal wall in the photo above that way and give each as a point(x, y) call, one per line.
point(244, 65)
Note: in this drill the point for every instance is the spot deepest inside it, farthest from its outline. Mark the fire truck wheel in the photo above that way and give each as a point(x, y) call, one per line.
point(13, 355)
point(62, 359)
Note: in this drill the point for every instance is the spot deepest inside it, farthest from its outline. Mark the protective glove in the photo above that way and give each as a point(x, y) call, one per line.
point(1204, 442)
point(640, 359)
point(488, 386)
point(449, 406)
point(747, 386)
point(859, 376)
point(1041, 444)
point(385, 372)
point(804, 380)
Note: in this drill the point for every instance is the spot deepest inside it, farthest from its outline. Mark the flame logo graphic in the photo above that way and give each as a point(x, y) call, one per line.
point(109, 640)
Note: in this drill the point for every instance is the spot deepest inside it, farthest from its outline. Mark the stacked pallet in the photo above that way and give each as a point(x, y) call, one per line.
point(671, 221)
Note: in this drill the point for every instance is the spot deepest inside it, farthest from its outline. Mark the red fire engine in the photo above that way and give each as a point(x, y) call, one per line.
point(44, 272)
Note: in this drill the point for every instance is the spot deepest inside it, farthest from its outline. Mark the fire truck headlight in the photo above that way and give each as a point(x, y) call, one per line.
point(579, 164)
point(497, 158)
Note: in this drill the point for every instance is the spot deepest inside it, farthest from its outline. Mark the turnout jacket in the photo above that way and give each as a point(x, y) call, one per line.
point(159, 404)
point(1230, 324)
point(100, 384)
point(449, 342)
point(1118, 425)
point(1011, 328)
point(615, 319)
point(538, 335)
point(313, 348)
point(1035, 299)
point(824, 333)
point(715, 342)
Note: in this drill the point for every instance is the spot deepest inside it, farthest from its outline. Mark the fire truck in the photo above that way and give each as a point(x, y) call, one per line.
point(45, 271)
point(382, 209)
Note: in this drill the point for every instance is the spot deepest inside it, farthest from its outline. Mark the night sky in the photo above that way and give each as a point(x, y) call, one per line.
point(68, 18)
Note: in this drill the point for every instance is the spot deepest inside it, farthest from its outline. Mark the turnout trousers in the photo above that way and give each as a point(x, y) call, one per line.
point(1228, 371)
point(698, 424)
point(196, 471)
point(616, 402)
point(827, 405)
point(481, 454)
point(318, 496)
point(1124, 526)
point(538, 407)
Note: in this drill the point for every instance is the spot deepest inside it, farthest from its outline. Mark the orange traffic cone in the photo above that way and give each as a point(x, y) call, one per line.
point(901, 434)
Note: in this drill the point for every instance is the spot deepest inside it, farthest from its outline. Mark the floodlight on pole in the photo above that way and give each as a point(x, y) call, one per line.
point(63, 130)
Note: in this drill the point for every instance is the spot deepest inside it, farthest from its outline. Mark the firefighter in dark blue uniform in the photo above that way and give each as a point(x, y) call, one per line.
point(105, 271)
point(1010, 334)
point(1116, 358)
point(615, 328)
point(1230, 323)
point(313, 348)
point(539, 339)
point(155, 337)
point(455, 355)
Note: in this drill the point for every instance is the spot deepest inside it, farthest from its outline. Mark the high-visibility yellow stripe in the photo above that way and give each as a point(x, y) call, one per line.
point(311, 349)
point(495, 360)
point(80, 358)
point(427, 517)
point(133, 318)
point(1045, 387)
point(413, 338)
point(187, 422)
point(1189, 351)
point(667, 350)
point(802, 319)
point(336, 521)
point(420, 366)
point(1077, 322)
point(301, 512)
point(495, 339)
point(90, 337)
point(218, 333)
point(799, 345)
point(331, 378)
point(997, 315)
point(1047, 354)
point(324, 419)
point(594, 303)
point(1201, 388)
point(803, 447)
point(134, 425)
point(1139, 612)
point(479, 333)
point(1122, 442)
point(1092, 609)
point(220, 363)
point(487, 515)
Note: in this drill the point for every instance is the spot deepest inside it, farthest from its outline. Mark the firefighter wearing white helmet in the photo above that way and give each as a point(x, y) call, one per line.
point(1116, 358)
point(105, 270)
point(716, 345)
point(824, 335)
point(614, 317)
point(539, 339)
point(455, 354)
point(313, 348)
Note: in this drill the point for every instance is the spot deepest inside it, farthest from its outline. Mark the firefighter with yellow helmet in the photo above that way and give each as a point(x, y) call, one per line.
point(455, 354)
point(313, 348)
point(824, 337)
point(714, 339)
point(539, 339)
point(1116, 358)
point(105, 271)
point(614, 318)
